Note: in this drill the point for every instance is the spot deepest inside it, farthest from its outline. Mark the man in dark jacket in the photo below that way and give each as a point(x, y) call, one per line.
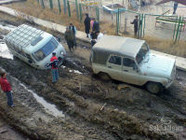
point(69, 37)
point(135, 22)
point(87, 25)
point(54, 67)
point(5, 86)
point(175, 7)
point(96, 26)
point(73, 28)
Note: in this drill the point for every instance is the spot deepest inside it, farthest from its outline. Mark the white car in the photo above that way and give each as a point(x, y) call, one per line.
point(130, 60)
point(34, 46)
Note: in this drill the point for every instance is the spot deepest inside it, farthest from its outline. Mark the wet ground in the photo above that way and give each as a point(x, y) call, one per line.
point(81, 106)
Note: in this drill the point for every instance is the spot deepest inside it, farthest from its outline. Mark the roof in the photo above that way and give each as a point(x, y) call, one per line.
point(23, 36)
point(120, 45)
point(179, 1)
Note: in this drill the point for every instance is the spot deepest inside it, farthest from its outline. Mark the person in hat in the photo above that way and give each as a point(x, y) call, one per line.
point(54, 67)
point(6, 87)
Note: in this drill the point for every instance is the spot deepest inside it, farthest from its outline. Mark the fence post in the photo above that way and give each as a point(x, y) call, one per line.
point(141, 26)
point(65, 6)
point(59, 6)
point(69, 12)
point(117, 22)
point(144, 25)
point(178, 29)
point(80, 12)
point(175, 26)
point(138, 31)
point(181, 26)
point(42, 4)
point(77, 10)
point(97, 13)
point(51, 4)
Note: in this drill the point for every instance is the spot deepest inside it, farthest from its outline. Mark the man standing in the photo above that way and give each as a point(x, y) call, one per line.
point(73, 29)
point(95, 26)
point(5, 86)
point(87, 25)
point(135, 22)
point(175, 7)
point(54, 67)
point(69, 37)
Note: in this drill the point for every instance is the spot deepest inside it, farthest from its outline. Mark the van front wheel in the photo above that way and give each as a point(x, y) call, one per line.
point(104, 76)
point(154, 88)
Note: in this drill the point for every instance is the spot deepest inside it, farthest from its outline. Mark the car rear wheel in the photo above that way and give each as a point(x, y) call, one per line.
point(154, 87)
point(104, 76)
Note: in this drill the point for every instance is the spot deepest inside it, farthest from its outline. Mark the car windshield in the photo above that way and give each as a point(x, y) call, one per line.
point(45, 50)
point(142, 53)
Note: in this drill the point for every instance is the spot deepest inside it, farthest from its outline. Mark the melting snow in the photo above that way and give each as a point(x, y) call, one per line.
point(4, 51)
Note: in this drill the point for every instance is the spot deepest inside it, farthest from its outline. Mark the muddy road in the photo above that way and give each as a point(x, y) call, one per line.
point(81, 106)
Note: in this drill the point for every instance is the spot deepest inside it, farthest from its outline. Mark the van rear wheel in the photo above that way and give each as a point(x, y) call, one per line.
point(104, 76)
point(154, 87)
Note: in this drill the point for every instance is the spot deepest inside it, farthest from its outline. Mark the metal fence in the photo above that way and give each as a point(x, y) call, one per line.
point(119, 21)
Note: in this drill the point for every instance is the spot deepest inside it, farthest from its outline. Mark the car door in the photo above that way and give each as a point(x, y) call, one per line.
point(114, 67)
point(130, 73)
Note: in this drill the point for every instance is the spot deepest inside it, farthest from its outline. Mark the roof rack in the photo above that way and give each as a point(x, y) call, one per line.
point(23, 36)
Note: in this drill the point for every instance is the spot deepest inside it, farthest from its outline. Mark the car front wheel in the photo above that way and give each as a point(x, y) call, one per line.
point(154, 87)
point(104, 76)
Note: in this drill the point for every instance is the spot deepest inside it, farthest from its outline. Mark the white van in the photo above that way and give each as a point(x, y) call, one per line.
point(130, 60)
point(34, 46)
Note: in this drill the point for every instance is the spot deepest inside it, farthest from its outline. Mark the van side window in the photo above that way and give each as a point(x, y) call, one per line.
point(115, 60)
point(128, 62)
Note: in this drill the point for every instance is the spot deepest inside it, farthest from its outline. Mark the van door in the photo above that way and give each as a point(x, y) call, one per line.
point(114, 67)
point(129, 71)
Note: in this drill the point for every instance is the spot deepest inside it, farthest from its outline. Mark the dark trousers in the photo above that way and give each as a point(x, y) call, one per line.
point(9, 98)
point(70, 45)
point(135, 31)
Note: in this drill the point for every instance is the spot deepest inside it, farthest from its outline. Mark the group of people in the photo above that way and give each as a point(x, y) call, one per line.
point(92, 25)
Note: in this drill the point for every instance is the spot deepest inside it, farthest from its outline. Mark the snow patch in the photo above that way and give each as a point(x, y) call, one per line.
point(75, 71)
point(4, 51)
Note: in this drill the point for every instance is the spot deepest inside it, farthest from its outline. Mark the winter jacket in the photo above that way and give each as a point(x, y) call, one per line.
point(96, 26)
point(87, 25)
point(53, 58)
point(73, 28)
point(69, 36)
point(5, 85)
point(135, 22)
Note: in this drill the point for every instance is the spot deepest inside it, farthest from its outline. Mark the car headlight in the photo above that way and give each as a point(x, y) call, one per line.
point(62, 53)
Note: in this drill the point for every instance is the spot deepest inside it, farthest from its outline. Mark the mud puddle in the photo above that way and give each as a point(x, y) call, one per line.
point(49, 108)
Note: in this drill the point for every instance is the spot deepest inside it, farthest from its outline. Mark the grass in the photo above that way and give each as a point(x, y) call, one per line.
point(158, 44)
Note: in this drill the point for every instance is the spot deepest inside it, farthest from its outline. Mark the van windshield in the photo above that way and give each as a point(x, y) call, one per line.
point(142, 53)
point(46, 50)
